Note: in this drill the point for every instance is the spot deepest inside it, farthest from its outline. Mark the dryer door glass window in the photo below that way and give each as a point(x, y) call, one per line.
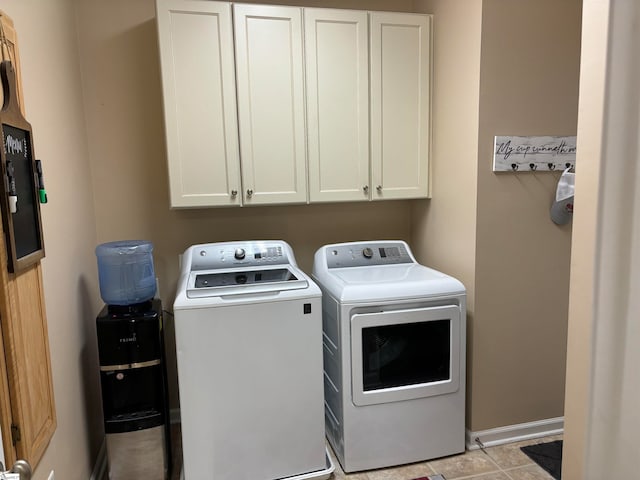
point(405, 354)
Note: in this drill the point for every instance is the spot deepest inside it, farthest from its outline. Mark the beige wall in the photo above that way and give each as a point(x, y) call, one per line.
point(528, 86)
point(118, 46)
point(444, 228)
point(51, 81)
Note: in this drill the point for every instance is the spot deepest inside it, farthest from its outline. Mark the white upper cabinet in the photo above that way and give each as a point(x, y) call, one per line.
point(337, 92)
point(198, 80)
point(270, 82)
point(400, 78)
point(268, 104)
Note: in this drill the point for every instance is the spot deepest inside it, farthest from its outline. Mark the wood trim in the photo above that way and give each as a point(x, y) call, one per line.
point(6, 418)
point(26, 383)
point(10, 455)
point(14, 56)
point(32, 393)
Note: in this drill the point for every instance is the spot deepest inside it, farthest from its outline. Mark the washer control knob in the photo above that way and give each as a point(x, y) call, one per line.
point(367, 252)
point(239, 253)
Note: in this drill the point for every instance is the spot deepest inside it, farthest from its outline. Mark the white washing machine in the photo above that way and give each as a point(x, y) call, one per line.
point(394, 355)
point(249, 354)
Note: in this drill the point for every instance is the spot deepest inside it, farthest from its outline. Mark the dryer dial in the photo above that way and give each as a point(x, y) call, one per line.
point(367, 252)
point(239, 254)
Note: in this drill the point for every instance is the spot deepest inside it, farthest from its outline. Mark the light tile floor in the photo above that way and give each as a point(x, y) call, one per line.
point(504, 462)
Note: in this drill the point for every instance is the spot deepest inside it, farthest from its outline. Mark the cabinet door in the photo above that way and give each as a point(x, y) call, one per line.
point(337, 75)
point(400, 104)
point(27, 406)
point(198, 80)
point(270, 103)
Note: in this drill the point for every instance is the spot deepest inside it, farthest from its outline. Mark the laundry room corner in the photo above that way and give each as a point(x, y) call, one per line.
point(491, 230)
point(122, 83)
point(443, 228)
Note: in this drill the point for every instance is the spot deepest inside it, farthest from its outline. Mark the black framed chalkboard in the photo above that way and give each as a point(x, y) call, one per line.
point(19, 200)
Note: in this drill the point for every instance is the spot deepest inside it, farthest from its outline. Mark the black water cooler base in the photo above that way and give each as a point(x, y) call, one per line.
point(134, 391)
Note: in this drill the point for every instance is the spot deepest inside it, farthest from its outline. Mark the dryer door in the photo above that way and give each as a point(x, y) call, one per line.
point(405, 354)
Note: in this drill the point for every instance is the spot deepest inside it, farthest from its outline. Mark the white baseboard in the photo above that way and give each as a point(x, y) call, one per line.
point(100, 468)
point(514, 433)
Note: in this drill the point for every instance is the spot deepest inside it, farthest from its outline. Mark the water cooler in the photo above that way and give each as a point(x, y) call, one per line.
point(132, 365)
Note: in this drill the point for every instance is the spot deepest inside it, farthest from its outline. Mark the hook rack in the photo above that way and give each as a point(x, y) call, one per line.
point(533, 154)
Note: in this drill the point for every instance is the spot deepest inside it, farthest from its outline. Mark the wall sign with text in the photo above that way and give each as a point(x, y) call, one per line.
point(533, 154)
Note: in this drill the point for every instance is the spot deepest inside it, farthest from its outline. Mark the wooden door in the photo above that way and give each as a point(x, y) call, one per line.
point(27, 409)
point(270, 82)
point(198, 81)
point(337, 91)
point(400, 104)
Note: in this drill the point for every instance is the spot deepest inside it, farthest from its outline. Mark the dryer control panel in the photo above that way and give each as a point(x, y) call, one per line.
point(362, 254)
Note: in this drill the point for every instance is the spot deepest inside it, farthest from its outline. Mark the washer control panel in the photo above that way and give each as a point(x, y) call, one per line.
point(367, 254)
point(240, 254)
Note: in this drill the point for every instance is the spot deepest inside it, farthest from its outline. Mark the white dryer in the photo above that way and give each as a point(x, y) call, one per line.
point(394, 355)
point(249, 354)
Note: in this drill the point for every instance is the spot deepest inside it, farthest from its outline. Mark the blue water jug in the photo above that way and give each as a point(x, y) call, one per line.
point(125, 271)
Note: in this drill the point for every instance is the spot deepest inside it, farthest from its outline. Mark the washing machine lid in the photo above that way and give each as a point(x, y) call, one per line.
point(214, 283)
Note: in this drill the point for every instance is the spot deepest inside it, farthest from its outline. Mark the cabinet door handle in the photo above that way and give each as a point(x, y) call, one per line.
point(379, 188)
point(234, 193)
point(365, 189)
point(249, 192)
